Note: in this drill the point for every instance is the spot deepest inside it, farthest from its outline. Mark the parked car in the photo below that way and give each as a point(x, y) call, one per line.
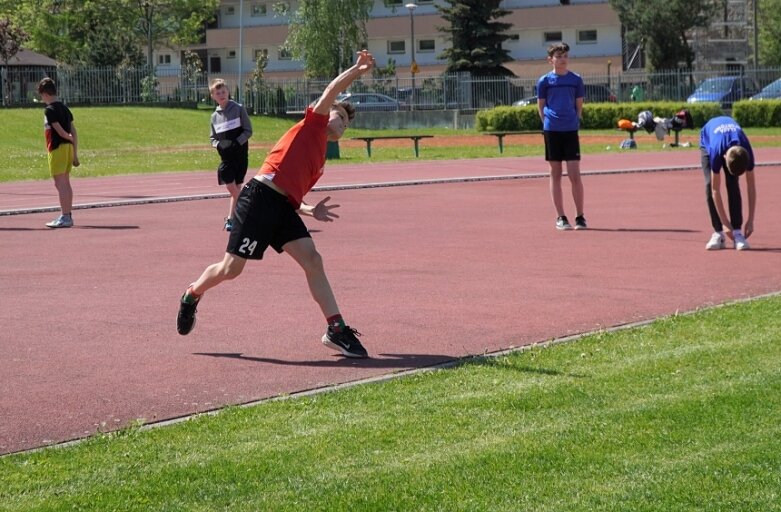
point(599, 94)
point(594, 94)
point(724, 90)
point(370, 101)
point(771, 91)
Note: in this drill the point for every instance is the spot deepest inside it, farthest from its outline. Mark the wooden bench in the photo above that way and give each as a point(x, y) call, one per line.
point(369, 140)
point(501, 135)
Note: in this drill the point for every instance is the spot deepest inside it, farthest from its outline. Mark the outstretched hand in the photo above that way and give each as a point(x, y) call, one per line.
point(365, 61)
point(322, 211)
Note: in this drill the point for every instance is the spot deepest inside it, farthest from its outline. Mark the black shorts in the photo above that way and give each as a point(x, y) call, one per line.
point(562, 146)
point(263, 217)
point(233, 167)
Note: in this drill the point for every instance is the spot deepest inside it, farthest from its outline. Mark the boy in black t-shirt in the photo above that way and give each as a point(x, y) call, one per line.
point(62, 145)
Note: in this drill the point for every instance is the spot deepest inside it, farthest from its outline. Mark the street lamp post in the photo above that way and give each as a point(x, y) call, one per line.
point(413, 65)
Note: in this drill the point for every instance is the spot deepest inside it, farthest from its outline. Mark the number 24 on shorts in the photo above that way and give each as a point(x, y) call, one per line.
point(248, 246)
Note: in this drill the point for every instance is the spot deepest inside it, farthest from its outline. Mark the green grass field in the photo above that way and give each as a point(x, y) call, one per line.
point(136, 140)
point(683, 414)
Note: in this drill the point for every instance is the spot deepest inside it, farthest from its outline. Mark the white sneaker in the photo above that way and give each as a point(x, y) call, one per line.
point(716, 242)
point(63, 221)
point(741, 244)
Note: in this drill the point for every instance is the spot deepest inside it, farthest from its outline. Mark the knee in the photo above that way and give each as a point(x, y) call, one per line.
point(313, 262)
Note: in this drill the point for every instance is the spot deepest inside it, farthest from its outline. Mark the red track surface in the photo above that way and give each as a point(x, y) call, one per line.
point(428, 273)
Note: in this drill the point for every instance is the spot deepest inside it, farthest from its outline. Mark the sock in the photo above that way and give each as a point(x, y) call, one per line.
point(336, 322)
point(189, 296)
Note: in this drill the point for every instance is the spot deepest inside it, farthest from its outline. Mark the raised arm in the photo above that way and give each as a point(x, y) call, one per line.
point(339, 84)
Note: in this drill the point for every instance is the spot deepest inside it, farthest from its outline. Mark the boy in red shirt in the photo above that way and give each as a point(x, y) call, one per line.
point(267, 212)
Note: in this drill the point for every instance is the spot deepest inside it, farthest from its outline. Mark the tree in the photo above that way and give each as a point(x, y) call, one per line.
point(769, 21)
point(11, 40)
point(177, 22)
point(326, 34)
point(109, 32)
point(661, 27)
point(476, 39)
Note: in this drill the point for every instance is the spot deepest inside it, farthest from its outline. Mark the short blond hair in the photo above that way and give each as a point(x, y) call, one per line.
point(217, 83)
point(736, 160)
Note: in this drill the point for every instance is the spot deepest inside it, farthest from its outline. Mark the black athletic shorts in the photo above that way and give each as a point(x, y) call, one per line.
point(562, 146)
point(233, 166)
point(263, 217)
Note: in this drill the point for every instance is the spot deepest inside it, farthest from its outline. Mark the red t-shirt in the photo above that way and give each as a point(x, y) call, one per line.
point(296, 162)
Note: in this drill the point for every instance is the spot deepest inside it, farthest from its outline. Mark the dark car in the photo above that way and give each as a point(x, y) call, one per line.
point(599, 94)
point(771, 91)
point(594, 94)
point(724, 90)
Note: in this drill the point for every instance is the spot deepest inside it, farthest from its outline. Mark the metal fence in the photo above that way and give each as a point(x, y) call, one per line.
point(107, 86)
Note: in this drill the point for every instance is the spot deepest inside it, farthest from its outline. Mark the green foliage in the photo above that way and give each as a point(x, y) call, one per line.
point(764, 113)
point(108, 33)
point(11, 39)
point(769, 21)
point(595, 115)
point(326, 34)
point(476, 38)
point(149, 89)
point(661, 27)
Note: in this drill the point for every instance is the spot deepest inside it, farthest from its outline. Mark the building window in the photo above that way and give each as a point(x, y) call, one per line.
point(425, 2)
point(587, 36)
point(514, 38)
point(426, 45)
point(258, 10)
point(284, 53)
point(551, 37)
point(262, 52)
point(395, 47)
point(232, 54)
point(393, 3)
point(230, 10)
point(164, 59)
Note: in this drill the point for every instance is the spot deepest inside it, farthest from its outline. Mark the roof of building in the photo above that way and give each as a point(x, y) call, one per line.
point(30, 58)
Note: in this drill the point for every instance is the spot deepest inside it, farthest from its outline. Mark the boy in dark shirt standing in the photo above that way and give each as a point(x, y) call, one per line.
point(62, 145)
point(231, 130)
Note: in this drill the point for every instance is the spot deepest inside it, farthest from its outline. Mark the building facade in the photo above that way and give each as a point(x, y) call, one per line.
point(246, 28)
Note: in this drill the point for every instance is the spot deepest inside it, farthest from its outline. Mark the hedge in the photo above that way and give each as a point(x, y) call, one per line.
point(605, 116)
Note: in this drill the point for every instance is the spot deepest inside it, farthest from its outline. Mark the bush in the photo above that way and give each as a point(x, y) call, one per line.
point(757, 113)
point(602, 116)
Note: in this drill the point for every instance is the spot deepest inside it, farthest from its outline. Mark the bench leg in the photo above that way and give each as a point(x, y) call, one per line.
point(369, 148)
point(501, 143)
point(416, 147)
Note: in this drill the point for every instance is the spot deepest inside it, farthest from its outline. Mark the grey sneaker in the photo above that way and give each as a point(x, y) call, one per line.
point(345, 342)
point(580, 222)
point(63, 221)
point(562, 224)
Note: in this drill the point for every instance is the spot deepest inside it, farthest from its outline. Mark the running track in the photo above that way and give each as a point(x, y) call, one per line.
point(428, 273)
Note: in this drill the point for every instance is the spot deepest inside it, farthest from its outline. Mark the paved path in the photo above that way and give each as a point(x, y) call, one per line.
point(36, 196)
point(428, 273)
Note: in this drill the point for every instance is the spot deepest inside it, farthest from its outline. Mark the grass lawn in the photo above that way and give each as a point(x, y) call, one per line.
point(135, 140)
point(680, 415)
